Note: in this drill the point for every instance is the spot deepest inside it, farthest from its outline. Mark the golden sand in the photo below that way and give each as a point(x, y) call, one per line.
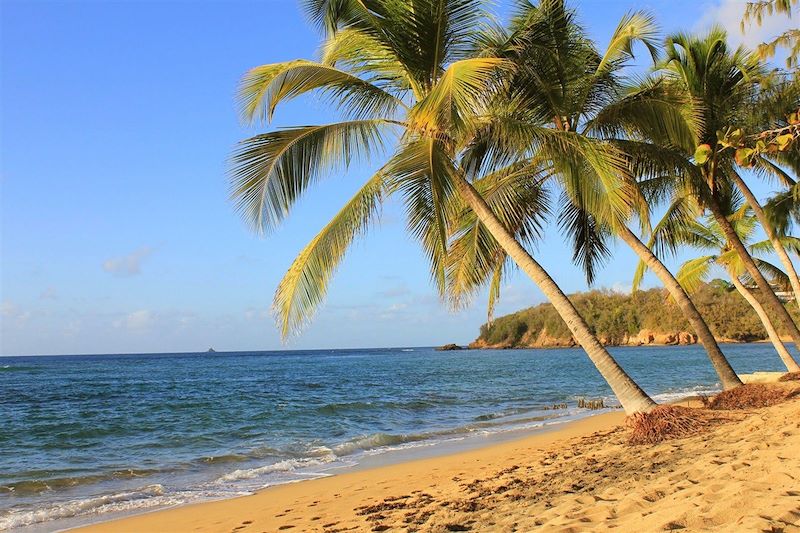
point(742, 476)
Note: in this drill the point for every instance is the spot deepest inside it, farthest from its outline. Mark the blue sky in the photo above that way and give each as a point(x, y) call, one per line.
point(117, 235)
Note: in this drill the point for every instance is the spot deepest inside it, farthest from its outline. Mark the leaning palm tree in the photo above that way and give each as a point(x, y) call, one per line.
point(562, 82)
point(403, 74)
point(705, 234)
point(718, 87)
point(769, 107)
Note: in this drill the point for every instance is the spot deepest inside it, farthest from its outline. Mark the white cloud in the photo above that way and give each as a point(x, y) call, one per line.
point(621, 287)
point(12, 313)
point(136, 320)
point(728, 14)
point(129, 265)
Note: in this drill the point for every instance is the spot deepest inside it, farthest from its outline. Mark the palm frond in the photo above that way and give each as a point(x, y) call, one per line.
point(451, 104)
point(494, 292)
point(650, 110)
point(305, 284)
point(637, 26)
point(421, 172)
point(694, 272)
point(516, 196)
point(264, 87)
point(783, 210)
point(775, 275)
point(270, 172)
point(679, 227)
point(590, 238)
point(363, 54)
point(330, 15)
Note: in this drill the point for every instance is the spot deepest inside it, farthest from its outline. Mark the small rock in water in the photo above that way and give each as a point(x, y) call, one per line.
point(449, 347)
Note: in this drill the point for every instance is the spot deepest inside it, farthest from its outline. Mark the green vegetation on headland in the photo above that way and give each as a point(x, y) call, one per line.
point(641, 318)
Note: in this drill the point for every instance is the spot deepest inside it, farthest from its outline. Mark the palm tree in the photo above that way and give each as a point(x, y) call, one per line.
point(769, 107)
point(718, 86)
point(404, 75)
point(561, 81)
point(707, 235)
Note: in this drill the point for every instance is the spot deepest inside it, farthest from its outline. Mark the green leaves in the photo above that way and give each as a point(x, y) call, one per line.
point(744, 157)
point(305, 284)
point(264, 87)
point(636, 26)
point(421, 172)
point(451, 105)
point(783, 141)
point(703, 154)
point(269, 172)
point(516, 196)
point(694, 272)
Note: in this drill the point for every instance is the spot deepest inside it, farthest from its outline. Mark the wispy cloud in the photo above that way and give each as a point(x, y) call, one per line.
point(12, 313)
point(128, 265)
point(136, 320)
point(252, 313)
point(50, 293)
point(398, 291)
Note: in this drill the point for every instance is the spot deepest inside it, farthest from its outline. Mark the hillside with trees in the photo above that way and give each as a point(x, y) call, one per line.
point(641, 318)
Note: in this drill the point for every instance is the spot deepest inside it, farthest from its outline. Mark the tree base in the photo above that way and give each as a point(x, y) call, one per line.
point(751, 396)
point(666, 422)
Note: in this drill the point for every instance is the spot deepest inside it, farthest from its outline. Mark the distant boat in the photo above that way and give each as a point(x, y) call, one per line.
point(212, 350)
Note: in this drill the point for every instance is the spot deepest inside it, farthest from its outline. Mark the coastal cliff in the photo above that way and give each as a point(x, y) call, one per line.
point(640, 319)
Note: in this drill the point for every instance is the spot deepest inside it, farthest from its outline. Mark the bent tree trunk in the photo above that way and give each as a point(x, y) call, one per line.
point(780, 251)
point(783, 353)
point(629, 394)
point(774, 304)
point(726, 374)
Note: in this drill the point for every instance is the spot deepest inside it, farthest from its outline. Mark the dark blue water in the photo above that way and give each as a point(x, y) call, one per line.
point(84, 437)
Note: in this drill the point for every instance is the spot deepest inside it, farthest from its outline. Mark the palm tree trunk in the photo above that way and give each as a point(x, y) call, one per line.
point(780, 251)
point(726, 374)
point(783, 353)
point(733, 240)
point(630, 395)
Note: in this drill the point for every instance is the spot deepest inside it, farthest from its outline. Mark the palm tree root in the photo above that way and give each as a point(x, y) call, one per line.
point(751, 396)
point(666, 422)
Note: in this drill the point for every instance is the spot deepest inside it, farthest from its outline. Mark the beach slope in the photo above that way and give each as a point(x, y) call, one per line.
point(742, 476)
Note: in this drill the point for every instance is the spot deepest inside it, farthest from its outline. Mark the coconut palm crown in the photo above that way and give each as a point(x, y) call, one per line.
point(406, 78)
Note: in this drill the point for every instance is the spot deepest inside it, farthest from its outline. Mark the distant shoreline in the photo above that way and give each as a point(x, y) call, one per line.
point(473, 345)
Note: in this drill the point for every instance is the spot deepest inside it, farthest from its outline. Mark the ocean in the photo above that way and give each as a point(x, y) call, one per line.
point(90, 437)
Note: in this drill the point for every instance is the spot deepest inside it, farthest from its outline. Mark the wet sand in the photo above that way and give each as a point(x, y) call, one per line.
point(742, 476)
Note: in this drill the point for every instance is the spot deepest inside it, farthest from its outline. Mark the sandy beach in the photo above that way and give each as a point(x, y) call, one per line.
point(743, 475)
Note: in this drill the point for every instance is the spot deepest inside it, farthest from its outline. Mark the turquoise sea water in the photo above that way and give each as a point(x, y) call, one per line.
point(85, 438)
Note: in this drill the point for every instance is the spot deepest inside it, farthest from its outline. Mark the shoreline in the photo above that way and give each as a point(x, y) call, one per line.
point(433, 418)
point(346, 486)
point(581, 477)
point(449, 490)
